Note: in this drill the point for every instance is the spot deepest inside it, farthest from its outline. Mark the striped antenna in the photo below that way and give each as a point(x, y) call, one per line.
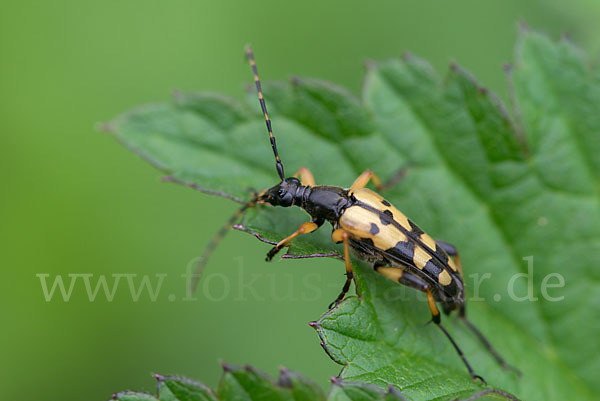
point(264, 110)
point(214, 242)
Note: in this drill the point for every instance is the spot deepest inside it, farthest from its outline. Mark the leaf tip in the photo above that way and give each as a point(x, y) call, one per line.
point(284, 378)
point(295, 80)
point(226, 367)
point(523, 27)
point(177, 94)
point(369, 64)
point(105, 127)
point(566, 37)
point(392, 390)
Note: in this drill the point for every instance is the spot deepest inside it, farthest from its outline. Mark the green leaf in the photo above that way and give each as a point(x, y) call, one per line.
point(133, 396)
point(346, 391)
point(248, 383)
point(175, 388)
point(504, 189)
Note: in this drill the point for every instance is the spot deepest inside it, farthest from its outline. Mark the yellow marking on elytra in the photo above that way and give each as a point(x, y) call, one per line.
point(420, 257)
point(428, 241)
point(374, 200)
point(357, 221)
point(393, 273)
point(451, 264)
point(444, 278)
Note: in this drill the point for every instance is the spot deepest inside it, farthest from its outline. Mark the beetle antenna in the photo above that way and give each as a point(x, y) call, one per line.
point(264, 110)
point(214, 242)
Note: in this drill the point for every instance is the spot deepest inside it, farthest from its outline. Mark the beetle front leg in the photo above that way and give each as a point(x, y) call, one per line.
point(305, 228)
point(338, 236)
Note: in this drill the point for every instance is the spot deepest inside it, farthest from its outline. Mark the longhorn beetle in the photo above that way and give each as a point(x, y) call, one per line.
point(370, 226)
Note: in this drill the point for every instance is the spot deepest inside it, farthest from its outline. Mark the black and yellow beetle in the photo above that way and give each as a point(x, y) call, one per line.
point(378, 233)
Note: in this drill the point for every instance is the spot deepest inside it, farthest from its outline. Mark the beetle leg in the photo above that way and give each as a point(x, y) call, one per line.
point(453, 252)
point(364, 178)
point(367, 175)
point(436, 318)
point(486, 343)
point(338, 236)
point(396, 178)
point(304, 228)
point(411, 280)
point(306, 177)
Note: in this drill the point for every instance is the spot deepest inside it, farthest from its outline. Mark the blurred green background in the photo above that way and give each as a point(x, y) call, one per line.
point(75, 201)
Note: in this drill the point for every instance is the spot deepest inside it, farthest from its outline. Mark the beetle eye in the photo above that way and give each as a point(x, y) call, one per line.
point(282, 192)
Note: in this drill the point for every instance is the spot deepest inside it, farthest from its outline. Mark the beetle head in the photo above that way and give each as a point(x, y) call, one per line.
point(281, 194)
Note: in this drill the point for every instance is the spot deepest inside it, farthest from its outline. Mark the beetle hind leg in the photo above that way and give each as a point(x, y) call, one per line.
point(436, 318)
point(411, 280)
point(486, 343)
point(453, 252)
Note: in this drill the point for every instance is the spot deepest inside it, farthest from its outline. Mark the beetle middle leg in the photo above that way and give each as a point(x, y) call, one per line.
point(368, 175)
point(338, 236)
point(364, 179)
point(305, 228)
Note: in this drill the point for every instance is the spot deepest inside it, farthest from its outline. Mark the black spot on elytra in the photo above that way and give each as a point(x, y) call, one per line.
point(441, 253)
point(386, 203)
point(374, 229)
point(387, 219)
point(432, 269)
point(403, 251)
point(415, 228)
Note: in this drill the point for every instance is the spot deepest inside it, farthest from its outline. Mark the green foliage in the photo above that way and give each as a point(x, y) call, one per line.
point(501, 188)
point(249, 384)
